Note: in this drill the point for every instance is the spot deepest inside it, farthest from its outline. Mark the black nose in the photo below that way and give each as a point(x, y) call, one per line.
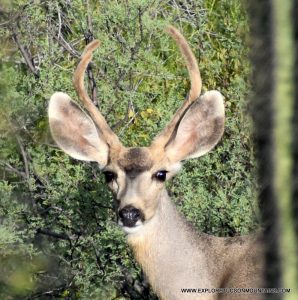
point(129, 215)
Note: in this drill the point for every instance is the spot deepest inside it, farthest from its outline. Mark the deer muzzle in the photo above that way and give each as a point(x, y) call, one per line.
point(129, 216)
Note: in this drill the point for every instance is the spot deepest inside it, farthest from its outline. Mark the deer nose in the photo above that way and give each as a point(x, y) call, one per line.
point(130, 215)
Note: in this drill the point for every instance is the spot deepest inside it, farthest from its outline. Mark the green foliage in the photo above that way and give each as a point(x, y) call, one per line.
point(57, 220)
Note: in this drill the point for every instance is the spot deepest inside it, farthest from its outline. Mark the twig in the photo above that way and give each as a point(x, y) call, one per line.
point(10, 168)
point(67, 46)
point(92, 85)
point(89, 18)
point(60, 23)
point(25, 160)
point(88, 38)
point(12, 19)
point(52, 293)
point(25, 54)
point(127, 124)
point(56, 235)
point(140, 13)
point(129, 107)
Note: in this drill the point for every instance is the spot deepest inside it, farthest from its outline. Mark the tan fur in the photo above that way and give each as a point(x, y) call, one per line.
point(195, 260)
point(172, 254)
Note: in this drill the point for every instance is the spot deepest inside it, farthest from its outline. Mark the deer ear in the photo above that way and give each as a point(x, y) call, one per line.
point(199, 130)
point(74, 131)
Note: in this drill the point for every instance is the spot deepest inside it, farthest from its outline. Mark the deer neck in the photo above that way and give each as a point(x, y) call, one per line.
point(171, 253)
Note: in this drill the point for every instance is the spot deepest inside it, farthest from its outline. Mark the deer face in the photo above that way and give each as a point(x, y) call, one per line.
point(137, 175)
point(137, 179)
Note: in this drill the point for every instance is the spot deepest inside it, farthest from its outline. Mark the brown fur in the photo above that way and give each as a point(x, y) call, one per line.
point(135, 161)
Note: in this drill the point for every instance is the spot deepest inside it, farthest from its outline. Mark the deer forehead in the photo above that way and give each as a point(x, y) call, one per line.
point(134, 161)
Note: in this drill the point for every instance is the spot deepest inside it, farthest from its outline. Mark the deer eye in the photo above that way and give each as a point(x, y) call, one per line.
point(161, 175)
point(109, 176)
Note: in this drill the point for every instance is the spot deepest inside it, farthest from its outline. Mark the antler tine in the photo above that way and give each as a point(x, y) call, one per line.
point(195, 79)
point(78, 81)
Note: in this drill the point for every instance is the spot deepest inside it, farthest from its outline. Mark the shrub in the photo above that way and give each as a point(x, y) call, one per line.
point(58, 232)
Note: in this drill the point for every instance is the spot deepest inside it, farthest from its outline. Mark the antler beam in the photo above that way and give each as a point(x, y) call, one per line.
point(195, 90)
point(78, 81)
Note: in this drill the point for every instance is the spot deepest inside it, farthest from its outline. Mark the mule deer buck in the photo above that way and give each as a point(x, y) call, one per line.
point(172, 254)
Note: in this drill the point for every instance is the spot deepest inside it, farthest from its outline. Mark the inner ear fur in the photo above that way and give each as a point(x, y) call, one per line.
point(74, 131)
point(199, 130)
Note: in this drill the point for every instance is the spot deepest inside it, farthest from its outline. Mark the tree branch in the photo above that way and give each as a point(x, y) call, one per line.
point(62, 42)
point(92, 84)
point(56, 235)
point(25, 54)
point(89, 18)
point(10, 168)
point(24, 155)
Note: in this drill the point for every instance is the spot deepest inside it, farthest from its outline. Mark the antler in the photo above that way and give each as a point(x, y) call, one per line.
point(195, 89)
point(78, 81)
point(99, 120)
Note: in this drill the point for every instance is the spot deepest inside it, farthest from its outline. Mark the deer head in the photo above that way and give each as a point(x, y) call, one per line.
point(137, 175)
